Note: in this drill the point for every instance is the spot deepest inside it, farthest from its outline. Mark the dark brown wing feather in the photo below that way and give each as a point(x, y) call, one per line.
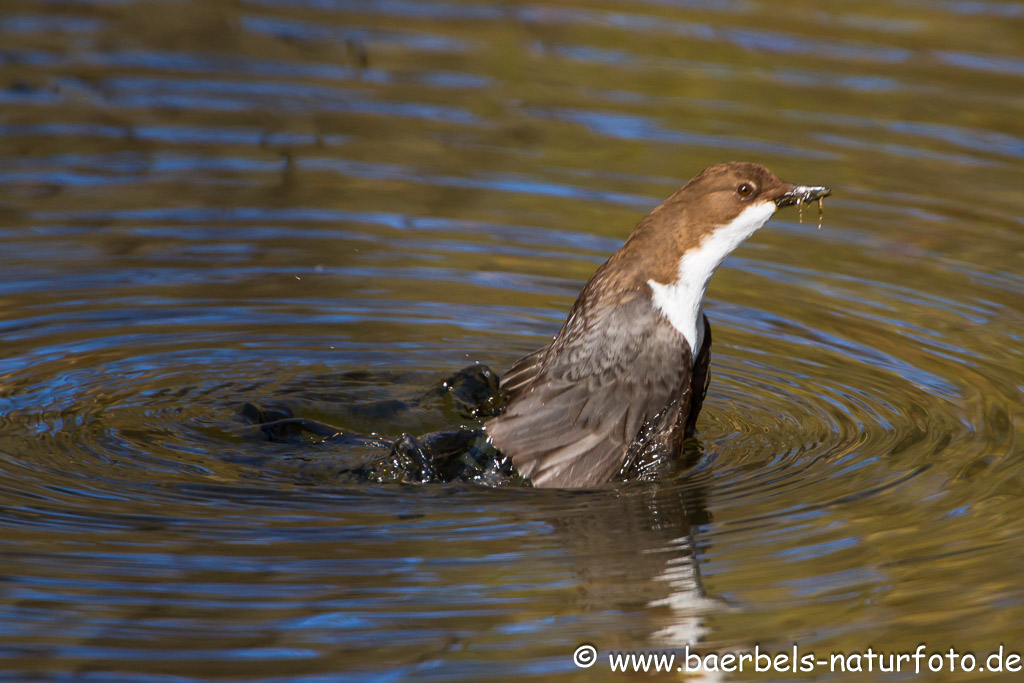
point(523, 372)
point(699, 381)
point(576, 406)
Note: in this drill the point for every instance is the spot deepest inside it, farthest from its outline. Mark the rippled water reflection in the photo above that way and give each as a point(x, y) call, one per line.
point(204, 203)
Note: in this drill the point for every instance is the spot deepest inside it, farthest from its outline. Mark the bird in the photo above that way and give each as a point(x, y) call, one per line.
point(629, 368)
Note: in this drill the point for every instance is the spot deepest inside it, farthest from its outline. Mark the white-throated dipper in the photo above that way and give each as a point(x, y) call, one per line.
point(629, 368)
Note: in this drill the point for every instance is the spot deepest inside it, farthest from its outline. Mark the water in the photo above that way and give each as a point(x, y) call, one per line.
point(204, 203)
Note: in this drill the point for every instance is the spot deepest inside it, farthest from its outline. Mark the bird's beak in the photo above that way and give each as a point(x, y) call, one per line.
point(801, 194)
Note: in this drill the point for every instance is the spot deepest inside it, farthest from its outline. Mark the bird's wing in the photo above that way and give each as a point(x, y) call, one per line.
point(699, 380)
point(604, 376)
point(523, 372)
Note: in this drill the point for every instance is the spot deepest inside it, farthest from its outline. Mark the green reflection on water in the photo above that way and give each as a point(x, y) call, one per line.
point(206, 203)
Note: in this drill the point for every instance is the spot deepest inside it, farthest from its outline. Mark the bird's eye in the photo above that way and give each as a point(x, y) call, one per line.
point(745, 190)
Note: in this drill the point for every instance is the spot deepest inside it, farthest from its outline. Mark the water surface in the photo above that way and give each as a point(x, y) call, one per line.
point(209, 202)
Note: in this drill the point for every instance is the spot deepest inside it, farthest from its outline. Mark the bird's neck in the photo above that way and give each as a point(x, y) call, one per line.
point(681, 300)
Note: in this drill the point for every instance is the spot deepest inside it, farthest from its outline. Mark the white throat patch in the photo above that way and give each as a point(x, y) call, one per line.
point(682, 301)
